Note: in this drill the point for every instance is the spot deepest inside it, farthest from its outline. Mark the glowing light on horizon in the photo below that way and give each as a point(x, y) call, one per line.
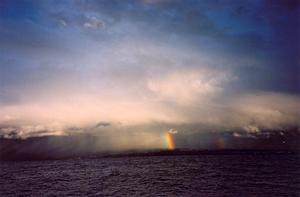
point(170, 141)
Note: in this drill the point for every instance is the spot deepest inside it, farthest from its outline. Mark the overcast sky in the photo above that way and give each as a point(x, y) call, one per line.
point(222, 63)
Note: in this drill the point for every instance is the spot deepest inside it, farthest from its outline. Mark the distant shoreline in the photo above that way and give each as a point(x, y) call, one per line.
point(151, 153)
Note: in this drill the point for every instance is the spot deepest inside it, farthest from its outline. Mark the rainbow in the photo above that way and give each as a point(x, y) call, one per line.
point(170, 141)
point(221, 143)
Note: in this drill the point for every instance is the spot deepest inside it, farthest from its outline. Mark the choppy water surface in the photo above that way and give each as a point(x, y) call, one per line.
point(197, 175)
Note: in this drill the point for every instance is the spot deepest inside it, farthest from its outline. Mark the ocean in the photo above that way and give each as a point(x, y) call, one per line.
point(173, 175)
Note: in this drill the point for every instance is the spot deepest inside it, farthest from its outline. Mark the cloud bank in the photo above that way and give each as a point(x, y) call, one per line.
point(65, 67)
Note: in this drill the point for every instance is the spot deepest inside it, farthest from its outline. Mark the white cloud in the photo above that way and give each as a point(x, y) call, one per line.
point(93, 23)
point(141, 81)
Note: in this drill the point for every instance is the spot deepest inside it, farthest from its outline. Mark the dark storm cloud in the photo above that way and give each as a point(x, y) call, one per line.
point(244, 30)
point(266, 30)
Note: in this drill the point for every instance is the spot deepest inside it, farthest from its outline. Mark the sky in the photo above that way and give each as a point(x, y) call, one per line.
point(66, 66)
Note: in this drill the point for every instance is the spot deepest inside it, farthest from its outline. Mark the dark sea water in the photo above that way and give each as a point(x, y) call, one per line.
point(193, 175)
